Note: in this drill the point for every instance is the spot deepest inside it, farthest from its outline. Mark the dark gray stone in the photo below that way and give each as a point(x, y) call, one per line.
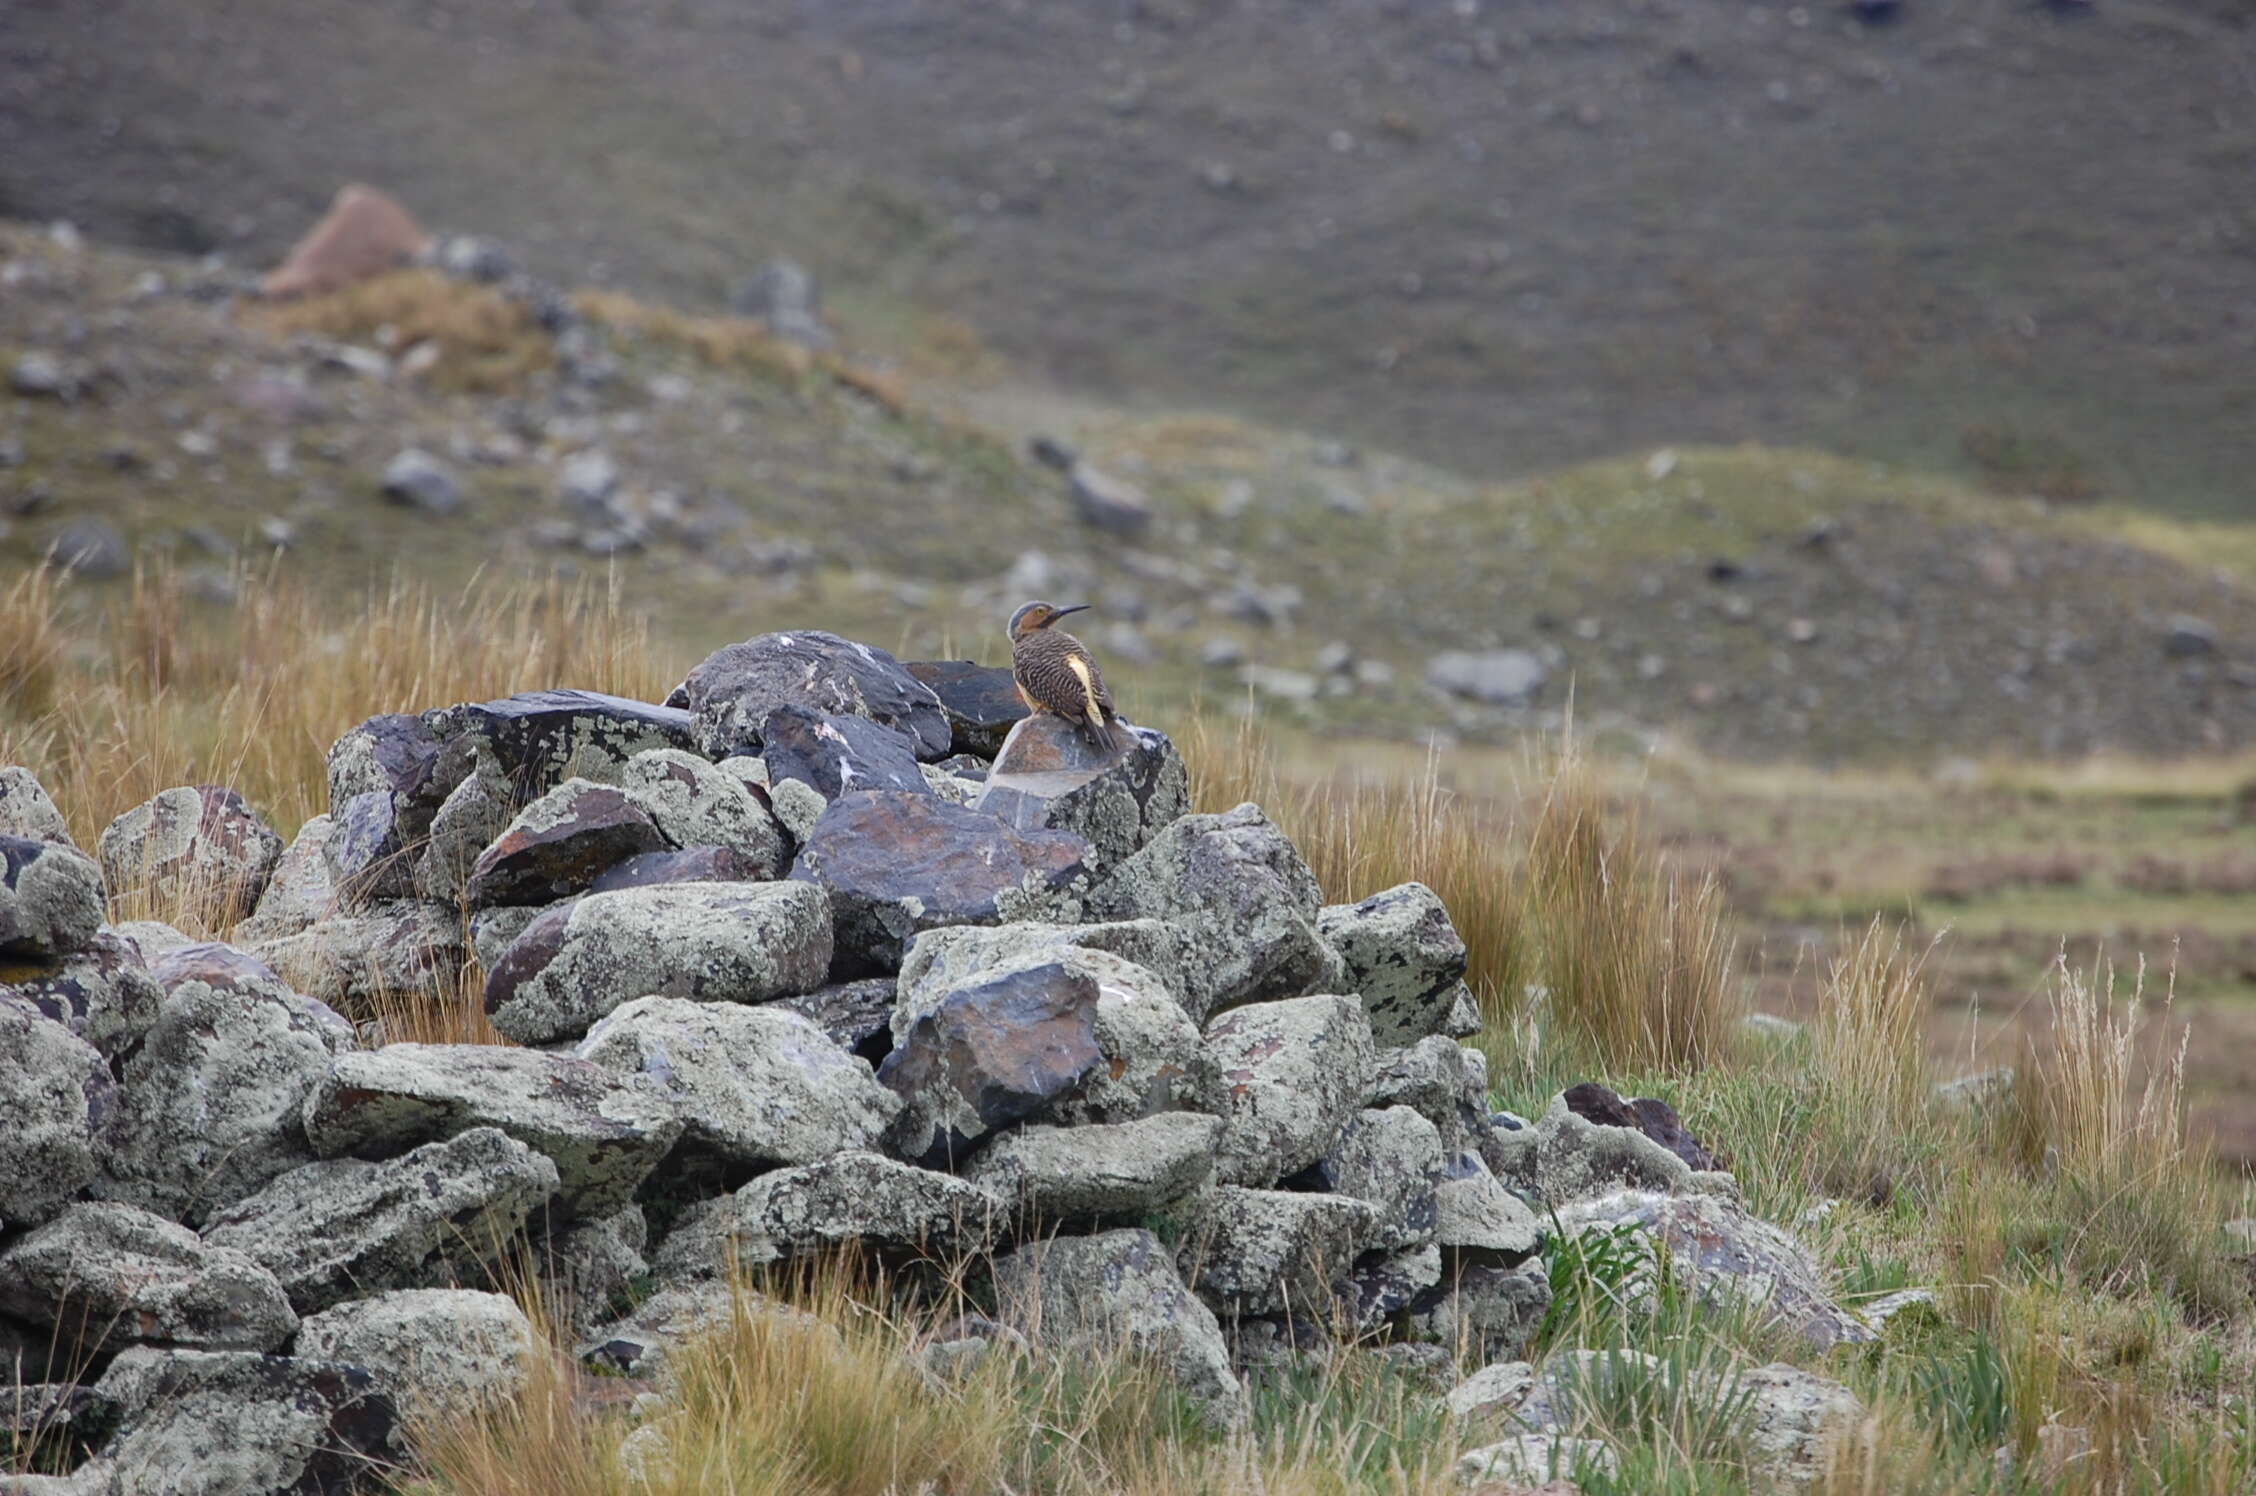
point(835, 753)
point(558, 844)
point(695, 865)
point(732, 691)
point(1117, 796)
point(526, 745)
point(981, 702)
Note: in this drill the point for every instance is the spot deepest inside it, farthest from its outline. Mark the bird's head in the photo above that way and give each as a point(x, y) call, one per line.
point(1032, 616)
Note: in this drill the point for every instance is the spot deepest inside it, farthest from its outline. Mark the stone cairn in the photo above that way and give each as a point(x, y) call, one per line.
point(825, 951)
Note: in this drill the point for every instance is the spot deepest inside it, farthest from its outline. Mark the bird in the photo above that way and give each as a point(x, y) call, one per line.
point(1055, 673)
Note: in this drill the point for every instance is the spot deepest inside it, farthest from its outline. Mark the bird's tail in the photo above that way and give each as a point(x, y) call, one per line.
point(1111, 735)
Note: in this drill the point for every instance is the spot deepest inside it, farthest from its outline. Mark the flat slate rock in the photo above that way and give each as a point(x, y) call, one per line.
point(981, 701)
point(530, 743)
point(691, 865)
point(558, 844)
point(1117, 795)
point(732, 691)
point(834, 752)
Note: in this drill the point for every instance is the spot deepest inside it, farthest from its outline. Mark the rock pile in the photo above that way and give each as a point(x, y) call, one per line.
point(791, 964)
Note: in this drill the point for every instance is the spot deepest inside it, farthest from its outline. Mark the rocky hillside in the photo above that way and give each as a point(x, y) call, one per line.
point(1515, 236)
point(449, 423)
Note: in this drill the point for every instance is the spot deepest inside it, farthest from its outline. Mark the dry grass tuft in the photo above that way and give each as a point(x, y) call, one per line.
point(483, 341)
point(31, 666)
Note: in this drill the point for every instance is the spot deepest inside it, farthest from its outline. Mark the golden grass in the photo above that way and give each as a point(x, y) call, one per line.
point(742, 344)
point(32, 664)
point(483, 341)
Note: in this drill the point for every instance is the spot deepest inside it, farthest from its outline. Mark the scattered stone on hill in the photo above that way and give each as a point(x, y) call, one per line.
point(783, 294)
point(354, 961)
point(603, 1131)
point(106, 1275)
point(1291, 1075)
point(345, 1228)
point(437, 1352)
point(1656, 1119)
point(50, 898)
point(732, 691)
point(420, 481)
point(1390, 1159)
point(697, 804)
point(55, 1090)
point(198, 842)
point(523, 746)
point(1098, 1172)
point(2187, 636)
point(237, 1421)
point(1241, 890)
point(981, 702)
point(1108, 503)
point(556, 845)
point(1496, 677)
point(836, 753)
point(697, 865)
point(1722, 1253)
point(587, 481)
point(1117, 797)
point(90, 549)
point(757, 1087)
point(300, 892)
point(103, 994)
point(1403, 957)
point(856, 1016)
point(707, 942)
point(1117, 1289)
point(895, 864)
point(364, 233)
point(887, 1207)
point(1261, 1251)
point(41, 376)
point(25, 810)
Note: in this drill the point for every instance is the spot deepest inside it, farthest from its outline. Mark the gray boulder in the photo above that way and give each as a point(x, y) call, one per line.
point(417, 480)
point(102, 993)
point(1403, 959)
point(856, 1016)
point(105, 1275)
point(783, 294)
point(644, 1344)
point(347, 1228)
point(523, 746)
point(1276, 1251)
point(1483, 1312)
point(353, 962)
point(209, 1107)
point(369, 852)
point(896, 864)
point(939, 960)
point(1102, 1171)
point(198, 843)
point(1442, 1081)
point(1382, 1287)
point(732, 691)
point(695, 865)
point(55, 1091)
point(1495, 677)
point(151, 938)
point(1537, 1460)
point(557, 844)
point(1291, 1074)
point(604, 1132)
point(834, 752)
point(882, 1206)
point(471, 818)
point(51, 898)
point(230, 1423)
point(756, 1087)
point(1480, 1223)
point(591, 1265)
point(400, 756)
point(981, 702)
point(1564, 1158)
point(299, 894)
point(1392, 1161)
point(494, 931)
point(1120, 1290)
point(696, 804)
point(25, 810)
point(438, 1352)
point(1237, 883)
point(706, 942)
point(1116, 797)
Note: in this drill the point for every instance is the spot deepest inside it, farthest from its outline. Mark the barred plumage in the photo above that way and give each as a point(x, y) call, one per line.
point(1055, 672)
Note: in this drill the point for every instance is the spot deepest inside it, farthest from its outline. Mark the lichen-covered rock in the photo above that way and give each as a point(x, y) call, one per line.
point(1274, 1251)
point(102, 993)
point(643, 1344)
point(604, 1132)
point(1655, 1118)
point(1381, 1289)
point(470, 819)
point(345, 1228)
point(1235, 880)
point(756, 1087)
point(25, 810)
point(368, 853)
point(939, 960)
point(1101, 1171)
point(299, 894)
point(856, 1016)
point(55, 1091)
point(104, 1275)
point(1120, 1290)
point(395, 754)
point(697, 804)
point(1564, 1158)
point(494, 931)
point(1724, 1254)
point(1439, 1079)
point(1116, 797)
point(1530, 1460)
point(981, 702)
point(1392, 1161)
point(732, 691)
point(590, 1265)
point(838, 753)
point(228, 1423)
point(706, 942)
point(393, 950)
point(1291, 1074)
point(1480, 1223)
point(797, 806)
point(50, 898)
point(557, 844)
point(896, 864)
point(886, 1207)
point(1403, 957)
point(438, 1352)
point(1077, 1038)
point(523, 746)
point(208, 1109)
point(197, 842)
point(1483, 1312)
point(151, 938)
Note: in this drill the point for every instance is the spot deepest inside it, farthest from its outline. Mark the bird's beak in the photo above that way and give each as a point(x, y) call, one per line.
point(1076, 608)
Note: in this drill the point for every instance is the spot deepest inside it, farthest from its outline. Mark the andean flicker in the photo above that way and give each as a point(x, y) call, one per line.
point(1055, 673)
